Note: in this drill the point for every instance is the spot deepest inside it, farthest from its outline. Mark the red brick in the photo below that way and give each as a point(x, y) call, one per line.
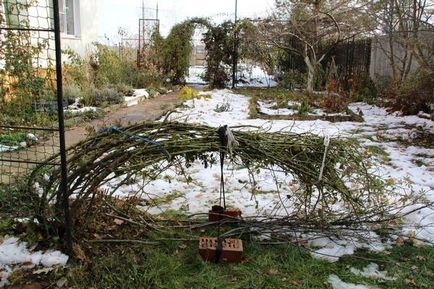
point(232, 250)
point(229, 213)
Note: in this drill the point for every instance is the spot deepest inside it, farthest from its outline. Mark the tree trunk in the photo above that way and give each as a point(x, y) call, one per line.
point(310, 74)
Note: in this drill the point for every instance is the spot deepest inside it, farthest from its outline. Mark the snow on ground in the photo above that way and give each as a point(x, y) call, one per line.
point(15, 255)
point(409, 167)
point(337, 283)
point(5, 148)
point(202, 191)
point(138, 96)
point(254, 76)
point(79, 110)
point(371, 271)
point(332, 249)
point(249, 75)
point(195, 74)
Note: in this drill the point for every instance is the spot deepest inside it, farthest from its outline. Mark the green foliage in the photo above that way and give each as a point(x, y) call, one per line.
point(219, 41)
point(177, 50)
point(292, 79)
point(102, 97)
point(278, 94)
point(305, 108)
point(366, 90)
point(72, 92)
point(109, 68)
point(76, 71)
point(413, 95)
point(16, 200)
point(146, 78)
point(22, 85)
point(123, 89)
point(155, 55)
point(11, 138)
point(187, 93)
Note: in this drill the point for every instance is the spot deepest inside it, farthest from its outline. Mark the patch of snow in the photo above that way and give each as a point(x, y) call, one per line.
point(203, 191)
point(424, 115)
point(337, 283)
point(332, 249)
point(138, 96)
point(15, 255)
point(254, 76)
point(420, 224)
point(195, 74)
point(141, 93)
point(371, 271)
point(5, 148)
point(249, 75)
point(269, 108)
point(78, 110)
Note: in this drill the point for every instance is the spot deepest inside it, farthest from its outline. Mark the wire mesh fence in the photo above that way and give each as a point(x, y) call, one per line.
point(29, 120)
point(31, 101)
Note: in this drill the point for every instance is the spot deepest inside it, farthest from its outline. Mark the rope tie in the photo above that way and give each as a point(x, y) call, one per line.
point(326, 147)
point(114, 129)
point(232, 142)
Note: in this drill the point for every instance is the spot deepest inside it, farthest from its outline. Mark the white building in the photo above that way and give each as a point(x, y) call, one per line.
point(78, 21)
point(79, 24)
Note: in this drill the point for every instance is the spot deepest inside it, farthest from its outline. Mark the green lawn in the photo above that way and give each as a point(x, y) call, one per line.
point(178, 265)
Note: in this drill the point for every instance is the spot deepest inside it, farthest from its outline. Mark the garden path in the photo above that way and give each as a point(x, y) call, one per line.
point(150, 109)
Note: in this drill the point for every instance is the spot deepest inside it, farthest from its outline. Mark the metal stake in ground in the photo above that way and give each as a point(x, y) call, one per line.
point(63, 190)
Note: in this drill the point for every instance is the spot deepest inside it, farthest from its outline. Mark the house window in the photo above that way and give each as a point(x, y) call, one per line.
point(69, 17)
point(16, 13)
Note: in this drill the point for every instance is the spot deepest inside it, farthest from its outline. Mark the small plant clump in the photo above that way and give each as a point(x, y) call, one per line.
point(123, 89)
point(188, 93)
point(222, 107)
point(305, 108)
point(334, 103)
point(107, 96)
point(72, 93)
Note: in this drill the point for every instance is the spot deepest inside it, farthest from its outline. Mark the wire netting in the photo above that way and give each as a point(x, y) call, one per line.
point(29, 121)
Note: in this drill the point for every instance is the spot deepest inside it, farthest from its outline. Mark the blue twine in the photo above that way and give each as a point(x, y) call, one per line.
point(114, 129)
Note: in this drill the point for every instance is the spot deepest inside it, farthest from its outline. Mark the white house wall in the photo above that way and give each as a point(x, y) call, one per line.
point(87, 26)
point(87, 30)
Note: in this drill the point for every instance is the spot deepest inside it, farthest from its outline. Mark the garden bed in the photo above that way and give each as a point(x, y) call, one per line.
point(282, 104)
point(294, 111)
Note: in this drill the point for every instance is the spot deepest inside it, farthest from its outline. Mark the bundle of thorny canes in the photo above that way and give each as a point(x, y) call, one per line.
point(337, 193)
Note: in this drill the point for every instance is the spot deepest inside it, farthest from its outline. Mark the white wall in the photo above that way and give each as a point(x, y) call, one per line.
point(88, 29)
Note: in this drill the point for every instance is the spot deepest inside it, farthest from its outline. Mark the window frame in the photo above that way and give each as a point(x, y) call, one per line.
point(63, 15)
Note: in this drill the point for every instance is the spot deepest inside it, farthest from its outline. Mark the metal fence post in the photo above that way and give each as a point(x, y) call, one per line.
point(63, 190)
